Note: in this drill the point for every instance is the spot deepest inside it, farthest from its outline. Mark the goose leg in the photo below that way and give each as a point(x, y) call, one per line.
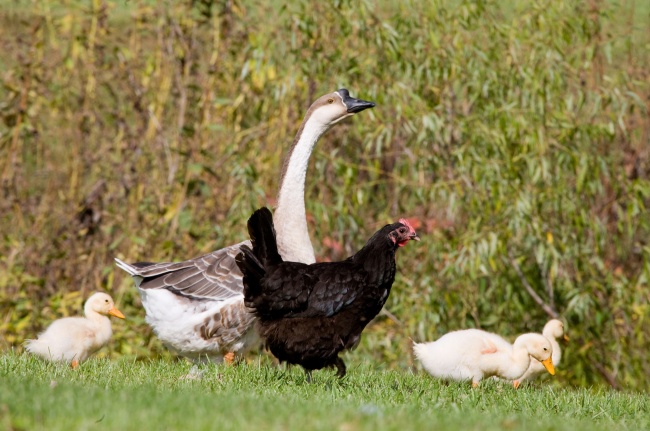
point(74, 364)
point(229, 358)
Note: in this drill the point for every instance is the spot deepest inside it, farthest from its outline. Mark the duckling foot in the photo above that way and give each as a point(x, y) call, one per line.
point(74, 364)
point(475, 384)
point(516, 384)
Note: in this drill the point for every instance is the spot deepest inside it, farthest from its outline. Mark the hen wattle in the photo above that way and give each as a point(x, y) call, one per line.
point(308, 314)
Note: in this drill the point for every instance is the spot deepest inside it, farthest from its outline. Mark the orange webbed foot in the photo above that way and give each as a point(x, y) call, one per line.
point(229, 358)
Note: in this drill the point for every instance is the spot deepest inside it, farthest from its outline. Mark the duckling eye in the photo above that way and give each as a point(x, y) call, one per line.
point(330, 100)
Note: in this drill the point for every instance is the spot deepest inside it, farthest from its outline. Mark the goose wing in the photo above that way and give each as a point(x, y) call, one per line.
point(212, 276)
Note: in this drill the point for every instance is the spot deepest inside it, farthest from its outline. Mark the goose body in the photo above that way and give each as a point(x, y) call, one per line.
point(74, 339)
point(196, 307)
point(553, 330)
point(473, 354)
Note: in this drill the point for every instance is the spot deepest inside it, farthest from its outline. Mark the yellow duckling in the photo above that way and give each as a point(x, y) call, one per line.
point(553, 330)
point(74, 339)
point(472, 354)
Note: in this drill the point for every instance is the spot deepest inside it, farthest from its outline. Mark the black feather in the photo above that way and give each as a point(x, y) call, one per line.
point(308, 314)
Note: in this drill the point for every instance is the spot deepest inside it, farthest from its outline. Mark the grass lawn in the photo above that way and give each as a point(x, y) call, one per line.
point(153, 395)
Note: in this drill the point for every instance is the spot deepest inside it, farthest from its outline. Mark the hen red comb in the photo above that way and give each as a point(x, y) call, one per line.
point(407, 224)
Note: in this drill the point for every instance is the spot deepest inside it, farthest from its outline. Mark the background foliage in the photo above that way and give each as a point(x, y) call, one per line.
point(515, 137)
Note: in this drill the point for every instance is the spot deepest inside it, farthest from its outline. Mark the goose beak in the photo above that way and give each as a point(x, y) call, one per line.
point(115, 312)
point(548, 364)
point(354, 105)
point(566, 338)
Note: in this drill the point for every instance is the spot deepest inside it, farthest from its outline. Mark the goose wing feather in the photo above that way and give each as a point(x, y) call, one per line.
point(213, 276)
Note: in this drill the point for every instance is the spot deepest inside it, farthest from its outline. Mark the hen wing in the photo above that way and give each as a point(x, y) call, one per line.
point(298, 290)
point(336, 286)
point(284, 290)
point(211, 276)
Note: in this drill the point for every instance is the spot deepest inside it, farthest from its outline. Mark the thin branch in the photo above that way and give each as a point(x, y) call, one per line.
point(549, 287)
point(607, 375)
point(391, 316)
point(547, 308)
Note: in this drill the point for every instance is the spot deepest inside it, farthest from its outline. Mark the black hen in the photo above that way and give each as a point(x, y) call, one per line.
point(308, 314)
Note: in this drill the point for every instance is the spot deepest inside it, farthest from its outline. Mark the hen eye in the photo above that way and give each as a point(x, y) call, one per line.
point(330, 100)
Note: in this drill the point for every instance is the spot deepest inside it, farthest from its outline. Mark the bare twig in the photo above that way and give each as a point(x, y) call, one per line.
point(391, 316)
point(607, 375)
point(549, 286)
point(546, 307)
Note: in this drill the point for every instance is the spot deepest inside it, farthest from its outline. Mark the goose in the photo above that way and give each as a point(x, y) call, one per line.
point(472, 354)
point(553, 330)
point(196, 307)
point(74, 339)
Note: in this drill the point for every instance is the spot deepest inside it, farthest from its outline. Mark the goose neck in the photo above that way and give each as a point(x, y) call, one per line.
point(290, 215)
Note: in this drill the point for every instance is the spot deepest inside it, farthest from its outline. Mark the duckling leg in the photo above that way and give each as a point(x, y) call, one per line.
point(474, 384)
point(229, 358)
point(516, 384)
point(74, 364)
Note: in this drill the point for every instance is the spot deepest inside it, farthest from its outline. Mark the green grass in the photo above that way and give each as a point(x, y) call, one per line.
point(123, 395)
point(514, 134)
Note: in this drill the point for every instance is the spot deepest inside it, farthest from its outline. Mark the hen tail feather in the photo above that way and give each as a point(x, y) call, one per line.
point(262, 233)
point(253, 263)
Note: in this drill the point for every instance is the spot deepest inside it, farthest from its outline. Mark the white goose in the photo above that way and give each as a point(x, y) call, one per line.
point(553, 330)
point(196, 307)
point(472, 354)
point(74, 339)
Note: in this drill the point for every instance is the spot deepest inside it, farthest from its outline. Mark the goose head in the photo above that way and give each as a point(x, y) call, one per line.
point(333, 107)
point(103, 304)
point(539, 348)
point(554, 329)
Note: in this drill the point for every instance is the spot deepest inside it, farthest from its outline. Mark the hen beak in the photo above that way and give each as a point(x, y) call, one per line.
point(115, 312)
point(548, 364)
point(415, 237)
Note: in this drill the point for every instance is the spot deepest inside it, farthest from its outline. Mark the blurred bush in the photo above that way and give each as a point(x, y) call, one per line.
point(515, 135)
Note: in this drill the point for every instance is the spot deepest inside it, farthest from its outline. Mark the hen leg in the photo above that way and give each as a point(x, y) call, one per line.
point(340, 367)
point(308, 374)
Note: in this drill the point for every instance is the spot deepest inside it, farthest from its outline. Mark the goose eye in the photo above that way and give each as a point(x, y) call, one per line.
point(106, 300)
point(545, 349)
point(330, 100)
